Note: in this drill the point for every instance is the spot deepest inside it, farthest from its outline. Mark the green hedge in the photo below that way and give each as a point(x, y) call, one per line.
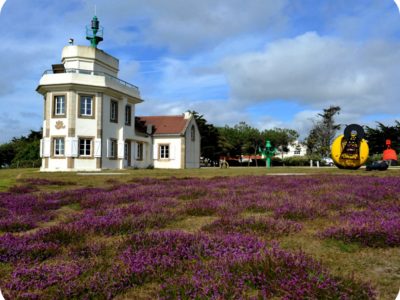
point(300, 160)
point(260, 162)
point(377, 157)
point(26, 164)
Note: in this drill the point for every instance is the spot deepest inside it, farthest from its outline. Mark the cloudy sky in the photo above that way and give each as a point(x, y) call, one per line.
point(267, 62)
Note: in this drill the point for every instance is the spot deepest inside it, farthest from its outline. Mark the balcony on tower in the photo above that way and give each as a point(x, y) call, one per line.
point(87, 66)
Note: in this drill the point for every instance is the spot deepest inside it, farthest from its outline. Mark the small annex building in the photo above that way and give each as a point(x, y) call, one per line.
point(175, 139)
point(89, 121)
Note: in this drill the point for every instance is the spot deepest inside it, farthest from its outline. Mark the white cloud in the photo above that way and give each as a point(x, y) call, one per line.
point(1, 6)
point(397, 3)
point(318, 72)
point(183, 25)
point(10, 127)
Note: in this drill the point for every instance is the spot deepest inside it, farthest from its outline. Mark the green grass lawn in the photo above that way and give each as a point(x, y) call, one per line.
point(8, 176)
point(382, 266)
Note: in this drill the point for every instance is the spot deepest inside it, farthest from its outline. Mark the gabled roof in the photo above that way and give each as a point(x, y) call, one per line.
point(162, 124)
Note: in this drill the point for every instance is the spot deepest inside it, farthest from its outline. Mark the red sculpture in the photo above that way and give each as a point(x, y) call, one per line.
point(389, 155)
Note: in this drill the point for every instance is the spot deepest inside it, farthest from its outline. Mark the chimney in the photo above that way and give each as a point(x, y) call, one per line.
point(187, 115)
point(149, 128)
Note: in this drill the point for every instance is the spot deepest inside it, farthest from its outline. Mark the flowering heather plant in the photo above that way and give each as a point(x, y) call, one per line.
point(227, 259)
point(25, 249)
point(112, 181)
point(261, 225)
point(25, 189)
point(24, 212)
point(43, 181)
point(300, 211)
point(286, 274)
point(369, 228)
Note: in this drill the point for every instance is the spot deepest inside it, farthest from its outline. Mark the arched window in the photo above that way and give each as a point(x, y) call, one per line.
point(193, 133)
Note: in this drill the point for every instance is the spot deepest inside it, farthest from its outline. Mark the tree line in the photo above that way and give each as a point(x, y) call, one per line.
point(325, 130)
point(24, 148)
point(239, 140)
point(242, 139)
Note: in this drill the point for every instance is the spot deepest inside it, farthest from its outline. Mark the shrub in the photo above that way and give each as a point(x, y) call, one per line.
point(22, 189)
point(26, 164)
point(43, 181)
point(374, 157)
point(263, 226)
point(300, 160)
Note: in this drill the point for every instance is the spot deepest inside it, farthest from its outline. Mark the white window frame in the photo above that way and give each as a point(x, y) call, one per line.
point(113, 110)
point(164, 152)
point(84, 103)
point(89, 144)
point(297, 152)
point(60, 144)
point(59, 111)
point(127, 114)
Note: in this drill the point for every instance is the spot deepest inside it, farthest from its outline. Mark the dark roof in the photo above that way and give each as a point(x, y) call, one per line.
point(162, 124)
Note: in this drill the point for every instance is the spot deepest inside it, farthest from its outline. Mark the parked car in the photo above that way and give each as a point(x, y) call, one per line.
point(328, 161)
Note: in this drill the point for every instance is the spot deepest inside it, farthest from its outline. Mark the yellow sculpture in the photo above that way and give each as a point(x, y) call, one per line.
point(350, 150)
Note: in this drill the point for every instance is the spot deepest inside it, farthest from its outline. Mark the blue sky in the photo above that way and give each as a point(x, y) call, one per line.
point(267, 62)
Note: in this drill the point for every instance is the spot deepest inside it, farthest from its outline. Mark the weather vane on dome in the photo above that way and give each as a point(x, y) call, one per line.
point(94, 32)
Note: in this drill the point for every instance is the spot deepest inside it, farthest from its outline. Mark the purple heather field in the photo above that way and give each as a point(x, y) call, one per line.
point(119, 237)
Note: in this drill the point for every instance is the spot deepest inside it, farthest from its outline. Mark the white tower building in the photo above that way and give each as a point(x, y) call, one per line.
point(89, 119)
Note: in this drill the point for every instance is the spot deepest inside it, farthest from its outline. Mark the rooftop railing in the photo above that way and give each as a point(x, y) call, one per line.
point(93, 73)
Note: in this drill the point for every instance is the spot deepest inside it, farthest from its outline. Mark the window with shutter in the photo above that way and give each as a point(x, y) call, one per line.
point(59, 147)
point(85, 147)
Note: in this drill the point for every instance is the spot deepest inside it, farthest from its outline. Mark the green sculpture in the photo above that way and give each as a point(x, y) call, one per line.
point(94, 32)
point(268, 153)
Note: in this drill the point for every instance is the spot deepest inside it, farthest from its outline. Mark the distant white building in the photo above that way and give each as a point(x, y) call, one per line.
point(89, 120)
point(295, 149)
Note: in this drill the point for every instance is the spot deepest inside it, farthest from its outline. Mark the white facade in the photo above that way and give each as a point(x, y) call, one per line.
point(192, 146)
point(295, 149)
point(89, 118)
point(184, 148)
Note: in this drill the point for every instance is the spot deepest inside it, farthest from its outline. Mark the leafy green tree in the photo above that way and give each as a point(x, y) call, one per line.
point(213, 144)
point(21, 149)
point(323, 132)
point(31, 151)
point(284, 137)
point(253, 142)
point(7, 153)
point(237, 136)
point(377, 137)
